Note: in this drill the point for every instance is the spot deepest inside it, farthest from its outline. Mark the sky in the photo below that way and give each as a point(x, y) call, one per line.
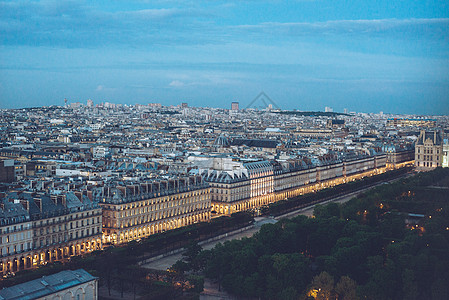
point(365, 56)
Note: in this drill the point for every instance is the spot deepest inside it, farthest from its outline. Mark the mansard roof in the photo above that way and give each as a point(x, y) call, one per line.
point(47, 285)
point(255, 143)
point(434, 136)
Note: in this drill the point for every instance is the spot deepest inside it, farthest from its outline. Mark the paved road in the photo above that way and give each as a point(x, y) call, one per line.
point(308, 211)
point(167, 262)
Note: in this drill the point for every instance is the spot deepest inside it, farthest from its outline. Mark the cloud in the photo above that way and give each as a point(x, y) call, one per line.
point(207, 78)
point(438, 26)
point(82, 24)
point(75, 24)
point(176, 83)
point(102, 88)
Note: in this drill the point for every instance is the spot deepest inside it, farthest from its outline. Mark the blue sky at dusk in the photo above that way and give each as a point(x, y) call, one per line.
point(369, 56)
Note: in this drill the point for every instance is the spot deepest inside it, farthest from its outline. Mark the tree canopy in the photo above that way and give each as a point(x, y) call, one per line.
point(391, 242)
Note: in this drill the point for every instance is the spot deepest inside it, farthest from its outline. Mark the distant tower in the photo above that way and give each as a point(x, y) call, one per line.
point(328, 109)
point(65, 101)
point(234, 106)
point(184, 105)
point(90, 103)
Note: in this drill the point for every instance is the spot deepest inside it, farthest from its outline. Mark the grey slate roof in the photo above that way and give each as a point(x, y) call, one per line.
point(11, 213)
point(255, 143)
point(46, 285)
point(435, 137)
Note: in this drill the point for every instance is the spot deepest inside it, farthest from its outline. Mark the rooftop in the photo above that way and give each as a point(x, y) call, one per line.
point(46, 285)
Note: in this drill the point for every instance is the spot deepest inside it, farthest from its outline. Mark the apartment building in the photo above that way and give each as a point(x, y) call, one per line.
point(402, 122)
point(134, 211)
point(238, 186)
point(38, 228)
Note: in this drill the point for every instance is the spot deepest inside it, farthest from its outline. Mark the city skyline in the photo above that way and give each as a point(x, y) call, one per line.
point(370, 57)
point(82, 186)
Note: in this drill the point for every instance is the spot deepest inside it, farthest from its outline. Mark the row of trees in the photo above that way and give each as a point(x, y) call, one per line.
point(361, 249)
point(362, 245)
point(284, 206)
point(117, 267)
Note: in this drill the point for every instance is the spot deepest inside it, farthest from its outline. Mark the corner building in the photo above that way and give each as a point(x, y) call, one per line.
point(429, 151)
point(39, 228)
point(135, 211)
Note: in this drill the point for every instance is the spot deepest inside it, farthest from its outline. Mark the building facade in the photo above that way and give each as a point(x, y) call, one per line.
point(38, 228)
point(7, 170)
point(429, 150)
point(251, 185)
point(135, 211)
point(16, 236)
point(398, 158)
point(399, 122)
point(445, 163)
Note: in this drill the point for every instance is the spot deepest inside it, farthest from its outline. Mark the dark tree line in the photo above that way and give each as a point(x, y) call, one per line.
point(362, 249)
point(117, 267)
point(284, 206)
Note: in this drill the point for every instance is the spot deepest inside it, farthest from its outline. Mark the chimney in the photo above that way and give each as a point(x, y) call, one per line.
point(38, 202)
point(122, 189)
point(25, 204)
point(88, 194)
point(157, 187)
point(130, 188)
point(79, 195)
point(144, 188)
point(164, 183)
point(54, 198)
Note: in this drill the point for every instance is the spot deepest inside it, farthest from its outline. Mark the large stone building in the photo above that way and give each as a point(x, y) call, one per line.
point(445, 163)
point(399, 157)
point(7, 170)
point(135, 211)
point(400, 122)
point(238, 186)
point(429, 150)
point(235, 183)
point(16, 236)
point(37, 228)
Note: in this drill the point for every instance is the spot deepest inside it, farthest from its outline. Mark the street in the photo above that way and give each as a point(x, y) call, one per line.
point(166, 262)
